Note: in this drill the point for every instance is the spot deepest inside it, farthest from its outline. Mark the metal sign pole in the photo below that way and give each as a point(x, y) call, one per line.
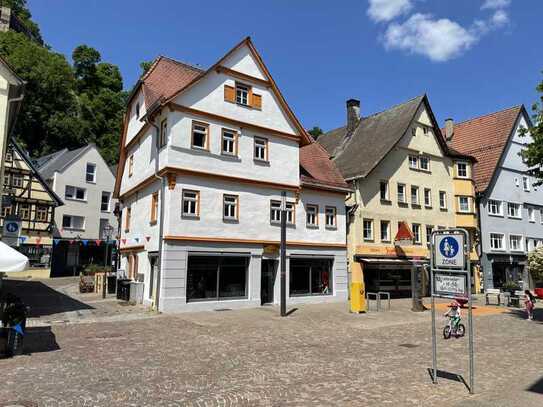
point(470, 320)
point(283, 254)
point(434, 339)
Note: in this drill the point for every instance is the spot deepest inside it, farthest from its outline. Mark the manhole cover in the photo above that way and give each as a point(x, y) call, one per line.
point(408, 345)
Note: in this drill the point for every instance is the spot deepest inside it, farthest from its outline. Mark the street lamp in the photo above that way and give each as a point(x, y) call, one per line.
point(108, 230)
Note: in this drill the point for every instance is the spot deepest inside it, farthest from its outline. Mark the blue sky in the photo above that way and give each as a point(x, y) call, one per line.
point(470, 56)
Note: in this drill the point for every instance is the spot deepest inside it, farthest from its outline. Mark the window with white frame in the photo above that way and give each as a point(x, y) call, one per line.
point(190, 203)
point(463, 204)
point(462, 169)
point(495, 207)
point(415, 228)
point(526, 183)
point(516, 243)
point(428, 197)
point(260, 149)
point(385, 231)
point(331, 216)
point(41, 213)
point(513, 210)
point(424, 163)
point(401, 193)
point(6, 180)
point(200, 133)
point(541, 216)
point(105, 202)
point(429, 230)
point(23, 210)
point(413, 162)
point(137, 110)
point(496, 241)
point(130, 165)
point(17, 181)
point(531, 214)
point(229, 142)
point(367, 229)
point(311, 215)
point(275, 212)
point(163, 136)
point(425, 130)
point(230, 207)
point(73, 222)
point(442, 200)
point(242, 94)
point(91, 173)
point(415, 195)
point(75, 193)
point(383, 191)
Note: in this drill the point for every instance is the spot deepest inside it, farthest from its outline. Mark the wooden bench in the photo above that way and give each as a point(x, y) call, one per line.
point(495, 292)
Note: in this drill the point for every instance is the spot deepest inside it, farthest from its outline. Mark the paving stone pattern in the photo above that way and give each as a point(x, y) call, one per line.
point(320, 355)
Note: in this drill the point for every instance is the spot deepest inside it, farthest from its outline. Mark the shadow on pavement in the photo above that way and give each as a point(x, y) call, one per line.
point(441, 374)
point(520, 313)
point(41, 299)
point(537, 387)
point(39, 339)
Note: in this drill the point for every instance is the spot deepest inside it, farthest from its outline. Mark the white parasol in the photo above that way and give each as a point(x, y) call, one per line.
point(11, 260)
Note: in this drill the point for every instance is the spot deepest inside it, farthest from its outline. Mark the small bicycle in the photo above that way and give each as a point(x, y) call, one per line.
point(454, 328)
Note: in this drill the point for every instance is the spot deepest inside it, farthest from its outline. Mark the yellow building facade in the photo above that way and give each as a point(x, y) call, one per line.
point(402, 174)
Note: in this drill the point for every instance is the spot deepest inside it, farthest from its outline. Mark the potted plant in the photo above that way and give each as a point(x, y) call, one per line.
point(510, 287)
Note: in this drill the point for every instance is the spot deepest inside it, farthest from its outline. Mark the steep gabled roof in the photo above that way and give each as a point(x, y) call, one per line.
point(320, 170)
point(33, 168)
point(59, 160)
point(372, 139)
point(485, 138)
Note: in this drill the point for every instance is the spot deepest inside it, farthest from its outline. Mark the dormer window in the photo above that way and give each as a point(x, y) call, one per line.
point(242, 94)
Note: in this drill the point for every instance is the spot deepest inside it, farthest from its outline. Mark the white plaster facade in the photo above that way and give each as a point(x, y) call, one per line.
point(255, 182)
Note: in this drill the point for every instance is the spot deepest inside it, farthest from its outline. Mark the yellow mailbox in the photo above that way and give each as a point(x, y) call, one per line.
point(358, 289)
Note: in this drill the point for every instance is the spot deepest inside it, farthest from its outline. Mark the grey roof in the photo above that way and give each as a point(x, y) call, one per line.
point(372, 139)
point(57, 161)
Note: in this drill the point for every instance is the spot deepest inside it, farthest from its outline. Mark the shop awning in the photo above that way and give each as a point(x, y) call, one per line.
point(391, 262)
point(11, 260)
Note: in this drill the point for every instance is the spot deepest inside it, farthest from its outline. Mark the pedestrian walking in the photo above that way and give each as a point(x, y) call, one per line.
point(529, 303)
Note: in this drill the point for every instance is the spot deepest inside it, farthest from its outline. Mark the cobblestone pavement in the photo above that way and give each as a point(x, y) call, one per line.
point(318, 355)
point(58, 301)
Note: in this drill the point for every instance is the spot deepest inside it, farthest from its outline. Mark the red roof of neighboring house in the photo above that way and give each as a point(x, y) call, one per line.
point(166, 77)
point(320, 169)
point(485, 138)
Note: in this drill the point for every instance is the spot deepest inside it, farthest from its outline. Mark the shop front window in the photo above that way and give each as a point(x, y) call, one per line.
point(310, 277)
point(216, 277)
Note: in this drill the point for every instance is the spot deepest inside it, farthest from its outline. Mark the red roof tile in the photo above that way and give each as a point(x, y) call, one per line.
point(485, 138)
point(166, 77)
point(320, 169)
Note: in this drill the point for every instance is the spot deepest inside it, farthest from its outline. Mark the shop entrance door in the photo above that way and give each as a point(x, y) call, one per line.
point(268, 273)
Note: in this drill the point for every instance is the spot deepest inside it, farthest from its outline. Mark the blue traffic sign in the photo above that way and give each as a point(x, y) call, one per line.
point(448, 247)
point(12, 227)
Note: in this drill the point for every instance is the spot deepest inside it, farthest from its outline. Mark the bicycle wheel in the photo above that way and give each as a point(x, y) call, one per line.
point(460, 330)
point(447, 332)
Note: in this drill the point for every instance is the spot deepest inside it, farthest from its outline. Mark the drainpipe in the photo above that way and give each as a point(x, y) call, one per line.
point(161, 215)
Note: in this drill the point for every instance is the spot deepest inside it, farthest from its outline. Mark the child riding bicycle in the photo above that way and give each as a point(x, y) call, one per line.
point(454, 314)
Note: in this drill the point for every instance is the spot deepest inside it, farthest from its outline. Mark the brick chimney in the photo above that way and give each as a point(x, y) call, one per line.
point(353, 115)
point(449, 129)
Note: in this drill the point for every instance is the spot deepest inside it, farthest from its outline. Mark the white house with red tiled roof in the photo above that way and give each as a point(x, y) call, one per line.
point(204, 159)
point(510, 205)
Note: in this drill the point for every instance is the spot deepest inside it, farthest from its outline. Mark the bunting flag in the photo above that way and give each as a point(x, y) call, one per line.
point(97, 242)
point(72, 241)
point(56, 241)
point(124, 241)
point(38, 240)
point(147, 238)
point(137, 239)
point(22, 239)
point(85, 242)
point(19, 329)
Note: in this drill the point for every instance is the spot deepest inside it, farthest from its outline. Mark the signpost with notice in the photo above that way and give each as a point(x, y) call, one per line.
point(451, 278)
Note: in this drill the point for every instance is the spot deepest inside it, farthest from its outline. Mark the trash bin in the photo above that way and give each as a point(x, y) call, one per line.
point(4, 342)
point(14, 321)
point(136, 292)
point(123, 289)
point(111, 280)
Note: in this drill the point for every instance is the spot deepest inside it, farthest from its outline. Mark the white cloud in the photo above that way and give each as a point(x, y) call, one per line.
point(499, 18)
point(495, 4)
point(439, 40)
point(386, 10)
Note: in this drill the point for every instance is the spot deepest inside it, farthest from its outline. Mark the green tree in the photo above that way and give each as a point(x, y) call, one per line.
point(101, 98)
point(535, 264)
point(316, 132)
point(145, 66)
point(20, 9)
point(533, 153)
point(49, 119)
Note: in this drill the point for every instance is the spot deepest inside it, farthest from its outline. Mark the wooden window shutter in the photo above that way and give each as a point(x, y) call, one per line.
point(257, 101)
point(229, 94)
